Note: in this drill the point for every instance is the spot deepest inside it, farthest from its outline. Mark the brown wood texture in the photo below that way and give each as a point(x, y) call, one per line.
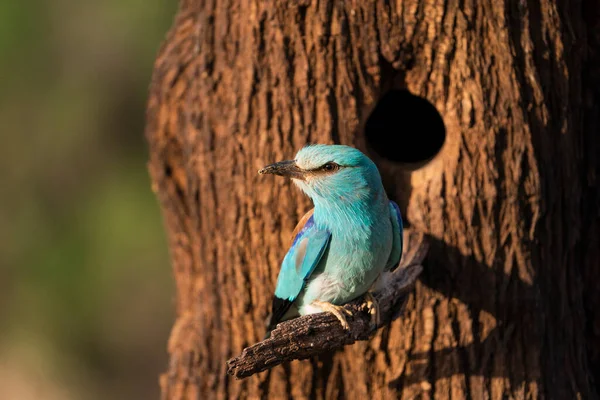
point(507, 305)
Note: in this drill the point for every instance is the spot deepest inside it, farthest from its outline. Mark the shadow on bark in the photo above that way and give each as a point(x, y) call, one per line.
point(504, 296)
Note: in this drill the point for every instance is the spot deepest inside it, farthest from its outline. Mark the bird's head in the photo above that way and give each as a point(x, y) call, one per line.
point(331, 173)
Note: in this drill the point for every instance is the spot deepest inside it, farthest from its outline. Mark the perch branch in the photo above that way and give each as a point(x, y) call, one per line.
point(310, 335)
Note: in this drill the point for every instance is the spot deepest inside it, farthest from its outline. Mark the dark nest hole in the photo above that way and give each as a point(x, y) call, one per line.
point(405, 129)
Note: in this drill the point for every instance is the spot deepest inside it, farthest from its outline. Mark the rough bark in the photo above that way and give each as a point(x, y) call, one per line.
point(507, 304)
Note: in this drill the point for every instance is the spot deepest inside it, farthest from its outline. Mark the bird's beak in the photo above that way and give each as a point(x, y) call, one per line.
point(284, 168)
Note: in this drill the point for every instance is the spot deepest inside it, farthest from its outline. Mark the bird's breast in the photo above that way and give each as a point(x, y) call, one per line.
point(355, 262)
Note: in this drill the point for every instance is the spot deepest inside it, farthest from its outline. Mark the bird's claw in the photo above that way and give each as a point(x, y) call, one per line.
point(338, 311)
point(373, 308)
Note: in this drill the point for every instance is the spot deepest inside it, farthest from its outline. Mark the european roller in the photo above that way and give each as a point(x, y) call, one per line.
point(342, 246)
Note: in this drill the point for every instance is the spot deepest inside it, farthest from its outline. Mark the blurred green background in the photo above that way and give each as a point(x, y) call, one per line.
point(86, 292)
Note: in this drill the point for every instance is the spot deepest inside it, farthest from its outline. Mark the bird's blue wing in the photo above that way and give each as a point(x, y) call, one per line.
point(396, 253)
point(308, 246)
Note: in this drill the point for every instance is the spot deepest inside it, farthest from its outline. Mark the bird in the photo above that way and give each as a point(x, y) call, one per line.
point(344, 244)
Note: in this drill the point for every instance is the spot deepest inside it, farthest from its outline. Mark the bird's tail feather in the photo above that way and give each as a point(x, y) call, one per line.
point(280, 308)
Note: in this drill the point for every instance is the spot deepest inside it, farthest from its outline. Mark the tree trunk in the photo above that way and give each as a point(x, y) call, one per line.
point(507, 306)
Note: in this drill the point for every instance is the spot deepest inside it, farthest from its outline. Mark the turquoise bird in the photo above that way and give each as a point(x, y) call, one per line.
point(343, 245)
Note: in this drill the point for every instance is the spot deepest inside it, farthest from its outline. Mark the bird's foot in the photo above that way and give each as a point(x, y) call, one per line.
point(338, 311)
point(373, 308)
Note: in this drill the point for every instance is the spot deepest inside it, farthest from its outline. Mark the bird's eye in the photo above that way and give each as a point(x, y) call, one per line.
point(330, 166)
